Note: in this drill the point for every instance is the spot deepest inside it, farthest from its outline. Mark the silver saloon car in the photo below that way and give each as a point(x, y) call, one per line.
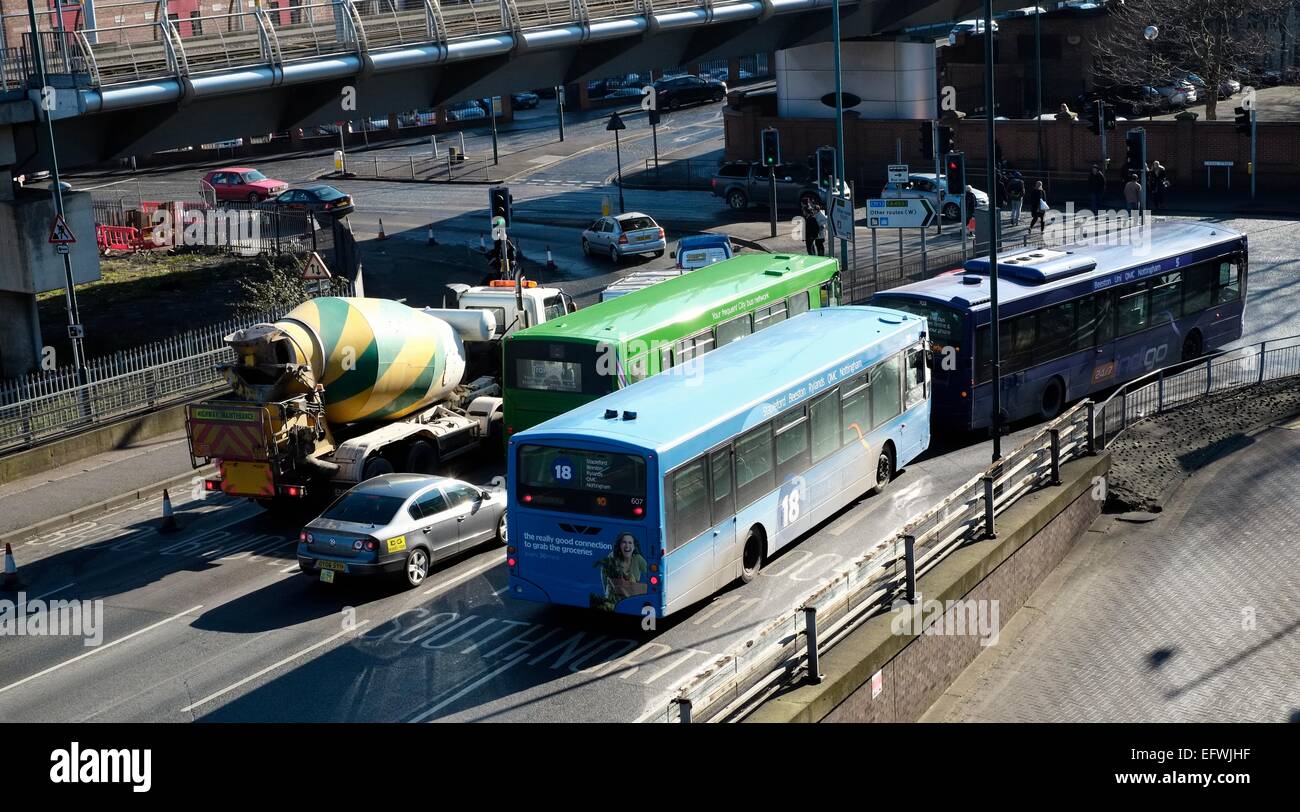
point(619, 235)
point(400, 523)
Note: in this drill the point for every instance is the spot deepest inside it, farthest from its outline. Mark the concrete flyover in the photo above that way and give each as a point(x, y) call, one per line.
point(157, 83)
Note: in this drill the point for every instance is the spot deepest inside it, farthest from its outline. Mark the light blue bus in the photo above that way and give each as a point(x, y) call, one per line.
point(654, 497)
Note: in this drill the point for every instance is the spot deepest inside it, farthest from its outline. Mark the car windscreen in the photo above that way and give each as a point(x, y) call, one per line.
point(946, 323)
point(253, 176)
point(364, 508)
point(636, 223)
point(599, 483)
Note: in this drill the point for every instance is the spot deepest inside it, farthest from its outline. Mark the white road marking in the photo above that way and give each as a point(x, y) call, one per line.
point(476, 683)
point(273, 666)
point(481, 568)
point(51, 592)
point(290, 568)
point(105, 647)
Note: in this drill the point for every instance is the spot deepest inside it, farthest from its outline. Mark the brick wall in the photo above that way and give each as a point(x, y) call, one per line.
point(1182, 146)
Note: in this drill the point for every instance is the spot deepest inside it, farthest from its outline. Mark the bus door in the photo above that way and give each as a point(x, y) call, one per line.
point(723, 515)
point(1097, 330)
point(916, 431)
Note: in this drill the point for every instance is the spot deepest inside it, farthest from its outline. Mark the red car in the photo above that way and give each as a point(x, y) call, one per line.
point(242, 183)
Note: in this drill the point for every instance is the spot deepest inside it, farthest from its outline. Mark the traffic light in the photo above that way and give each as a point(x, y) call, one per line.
point(1108, 115)
point(771, 147)
point(1096, 119)
point(1135, 151)
point(947, 140)
point(825, 159)
point(927, 139)
point(1243, 119)
point(499, 203)
point(955, 170)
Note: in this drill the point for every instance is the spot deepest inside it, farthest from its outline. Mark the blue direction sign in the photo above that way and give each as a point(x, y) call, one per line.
point(912, 212)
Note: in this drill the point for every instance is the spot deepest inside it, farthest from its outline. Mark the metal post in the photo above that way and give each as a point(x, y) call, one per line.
point(343, 151)
point(492, 114)
point(1038, 81)
point(1101, 128)
point(989, 99)
point(810, 627)
point(840, 172)
point(989, 531)
point(559, 108)
point(1143, 211)
point(909, 556)
point(618, 157)
point(1160, 391)
point(938, 171)
point(1055, 436)
point(462, 144)
point(684, 710)
point(771, 199)
point(1092, 428)
point(1254, 169)
point(875, 265)
point(411, 159)
point(56, 189)
point(900, 252)
point(1262, 344)
point(925, 262)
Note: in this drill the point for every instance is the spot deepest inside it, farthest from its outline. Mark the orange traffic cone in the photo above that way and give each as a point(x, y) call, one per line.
point(432, 239)
point(169, 524)
point(11, 569)
point(382, 235)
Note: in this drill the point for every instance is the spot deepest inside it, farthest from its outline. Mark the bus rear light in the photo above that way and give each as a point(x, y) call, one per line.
point(654, 580)
point(654, 567)
point(638, 511)
point(528, 497)
point(510, 562)
point(510, 550)
point(963, 393)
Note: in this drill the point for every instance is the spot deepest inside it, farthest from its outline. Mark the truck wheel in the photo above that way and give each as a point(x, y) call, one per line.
point(376, 466)
point(421, 458)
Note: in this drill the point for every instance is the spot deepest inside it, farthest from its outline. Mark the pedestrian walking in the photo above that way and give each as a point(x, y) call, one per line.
point(1159, 179)
point(1037, 200)
point(971, 204)
point(822, 225)
point(1016, 191)
point(1096, 187)
point(1133, 196)
point(810, 229)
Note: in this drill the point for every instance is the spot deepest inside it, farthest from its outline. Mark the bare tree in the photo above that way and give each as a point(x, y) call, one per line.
point(1215, 39)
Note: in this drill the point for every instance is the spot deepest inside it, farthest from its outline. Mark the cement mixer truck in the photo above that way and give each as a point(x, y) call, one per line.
point(343, 389)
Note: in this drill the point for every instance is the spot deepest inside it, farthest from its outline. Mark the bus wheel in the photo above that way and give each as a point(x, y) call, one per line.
point(376, 466)
point(752, 559)
point(1053, 400)
point(1192, 346)
point(884, 469)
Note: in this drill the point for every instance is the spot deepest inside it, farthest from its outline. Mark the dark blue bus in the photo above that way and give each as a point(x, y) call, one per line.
point(1076, 319)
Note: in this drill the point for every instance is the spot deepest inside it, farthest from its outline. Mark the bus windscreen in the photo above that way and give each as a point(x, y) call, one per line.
point(575, 481)
point(557, 366)
point(945, 322)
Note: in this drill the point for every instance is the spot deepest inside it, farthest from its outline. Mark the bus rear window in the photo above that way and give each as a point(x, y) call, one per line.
point(557, 366)
point(945, 322)
point(597, 483)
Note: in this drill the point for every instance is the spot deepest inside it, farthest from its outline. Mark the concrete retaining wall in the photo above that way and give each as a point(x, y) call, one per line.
point(1033, 536)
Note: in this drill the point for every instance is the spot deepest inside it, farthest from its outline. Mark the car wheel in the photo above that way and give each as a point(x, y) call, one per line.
point(1053, 400)
point(672, 103)
point(253, 198)
point(657, 254)
point(613, 254)
point(586, 247)
point(376, 466)
point(502, 529)
point(884, 469)
point(737, 200)
point(951, 211)
point(751, 560)
point(417, 566)
point(719, 96)
point(1193, 346)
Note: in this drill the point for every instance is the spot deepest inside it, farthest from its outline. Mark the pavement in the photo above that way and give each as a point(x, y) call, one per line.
point(1191, 617)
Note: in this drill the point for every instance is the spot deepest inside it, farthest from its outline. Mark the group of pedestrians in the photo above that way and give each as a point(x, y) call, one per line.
point(815, 225)
point(1022, 195)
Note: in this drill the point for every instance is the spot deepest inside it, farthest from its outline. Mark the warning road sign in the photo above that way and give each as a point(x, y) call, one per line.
point(315, 268)
point(60, 234)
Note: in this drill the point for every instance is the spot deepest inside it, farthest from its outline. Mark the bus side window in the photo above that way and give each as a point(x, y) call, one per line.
point(733, 330)
point(665, 358)
point(1017, 337)
point(724, 501)
point(689, 505)
point(1228, 286)
point(638, 368)
point(767, 316)
point(1167, 298)
point(1198, 288)
point(754, 467)
point(791, 445)
point(824, 415)
point(799, 303)
point(857, 409)
point(1134, 312)
point(886, 391)
point(915, 378)
point(830, 292)
point(1105, 312)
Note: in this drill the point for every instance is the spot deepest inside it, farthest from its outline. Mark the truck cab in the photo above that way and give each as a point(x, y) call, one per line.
point(501, 299)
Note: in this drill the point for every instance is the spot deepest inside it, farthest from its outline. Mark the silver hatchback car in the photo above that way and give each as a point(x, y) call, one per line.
point(618, 235)
point(400, 523)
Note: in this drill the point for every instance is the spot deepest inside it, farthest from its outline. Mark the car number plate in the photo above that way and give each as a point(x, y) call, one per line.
point(337, 566)
point(327, 576)
point(643, 238)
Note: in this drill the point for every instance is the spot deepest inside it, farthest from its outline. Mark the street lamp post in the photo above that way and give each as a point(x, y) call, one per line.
point(1149, 34)
point(989, 98)
point(1038, 81)
point(614, 125)
point(840, 174)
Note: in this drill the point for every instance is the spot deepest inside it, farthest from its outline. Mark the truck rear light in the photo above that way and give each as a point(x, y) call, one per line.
point(292, 490)
point(210, 484)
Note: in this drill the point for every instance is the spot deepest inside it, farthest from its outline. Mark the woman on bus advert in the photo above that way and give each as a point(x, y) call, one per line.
point(620, 573)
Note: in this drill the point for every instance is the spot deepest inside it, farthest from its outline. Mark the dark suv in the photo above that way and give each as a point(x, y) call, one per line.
point(743, 183)
point(679, 90)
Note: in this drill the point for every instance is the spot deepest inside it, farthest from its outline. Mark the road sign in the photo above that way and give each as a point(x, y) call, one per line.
point(76, 331)
point(315, 268)
point(912, 212)
point(842, 217)
point(60, 234)
point(898, 173)
point(62, 248)
point(615, 123)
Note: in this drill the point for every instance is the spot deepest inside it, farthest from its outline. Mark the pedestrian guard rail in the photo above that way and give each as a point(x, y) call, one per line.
point(787, 648)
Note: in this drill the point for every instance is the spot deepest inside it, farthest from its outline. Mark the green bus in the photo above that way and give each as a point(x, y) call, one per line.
point(560, 365)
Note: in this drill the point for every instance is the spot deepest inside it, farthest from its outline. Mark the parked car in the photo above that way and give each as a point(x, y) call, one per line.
point(744, 183)
point(526, 100)
point(316, 198)
point(600, 88)
point(681, 90)
point(626, 92)
point(242, 183)
point(932, 187)
point(1134, 101)
point(467, 112)
point(972, 27)
point(700, 250)
point(619, 235)
point(400, 524)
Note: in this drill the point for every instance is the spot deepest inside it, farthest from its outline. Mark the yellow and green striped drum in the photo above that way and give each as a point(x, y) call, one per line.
point(378, 359)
